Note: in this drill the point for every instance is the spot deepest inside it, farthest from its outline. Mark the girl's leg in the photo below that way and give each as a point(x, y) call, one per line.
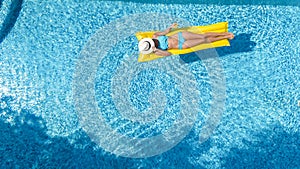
point(213, 39)
point(189, 35)
point(194, 42)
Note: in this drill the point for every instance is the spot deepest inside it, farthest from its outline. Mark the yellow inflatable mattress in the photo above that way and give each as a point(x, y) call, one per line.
point(218, 27)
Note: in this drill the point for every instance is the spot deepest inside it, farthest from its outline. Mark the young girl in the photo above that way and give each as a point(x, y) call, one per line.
point(159, 44)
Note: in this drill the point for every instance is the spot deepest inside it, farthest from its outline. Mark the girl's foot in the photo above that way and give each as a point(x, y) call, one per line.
point(230, 36)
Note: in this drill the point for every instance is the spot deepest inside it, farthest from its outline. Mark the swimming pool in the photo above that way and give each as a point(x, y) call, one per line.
point(44, 44)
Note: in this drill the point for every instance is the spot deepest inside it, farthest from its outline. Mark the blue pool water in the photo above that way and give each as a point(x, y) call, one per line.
point(70, 83)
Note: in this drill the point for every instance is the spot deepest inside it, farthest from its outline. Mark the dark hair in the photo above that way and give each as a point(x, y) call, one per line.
point(156, 42)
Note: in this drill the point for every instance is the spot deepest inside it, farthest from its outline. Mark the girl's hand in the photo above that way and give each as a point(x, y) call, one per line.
point(174, 25)
point(154, 49)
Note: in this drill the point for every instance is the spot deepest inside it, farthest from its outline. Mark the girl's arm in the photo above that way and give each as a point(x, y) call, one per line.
point(155, 35)
point(161, 52)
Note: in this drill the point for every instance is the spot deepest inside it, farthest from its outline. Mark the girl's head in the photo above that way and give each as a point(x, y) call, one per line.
point(156, 42)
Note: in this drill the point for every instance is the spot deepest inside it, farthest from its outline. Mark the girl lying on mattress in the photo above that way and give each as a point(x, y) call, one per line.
point(160, 43)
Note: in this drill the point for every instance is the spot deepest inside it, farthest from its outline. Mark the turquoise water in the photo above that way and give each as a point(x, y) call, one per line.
point(42, 44)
